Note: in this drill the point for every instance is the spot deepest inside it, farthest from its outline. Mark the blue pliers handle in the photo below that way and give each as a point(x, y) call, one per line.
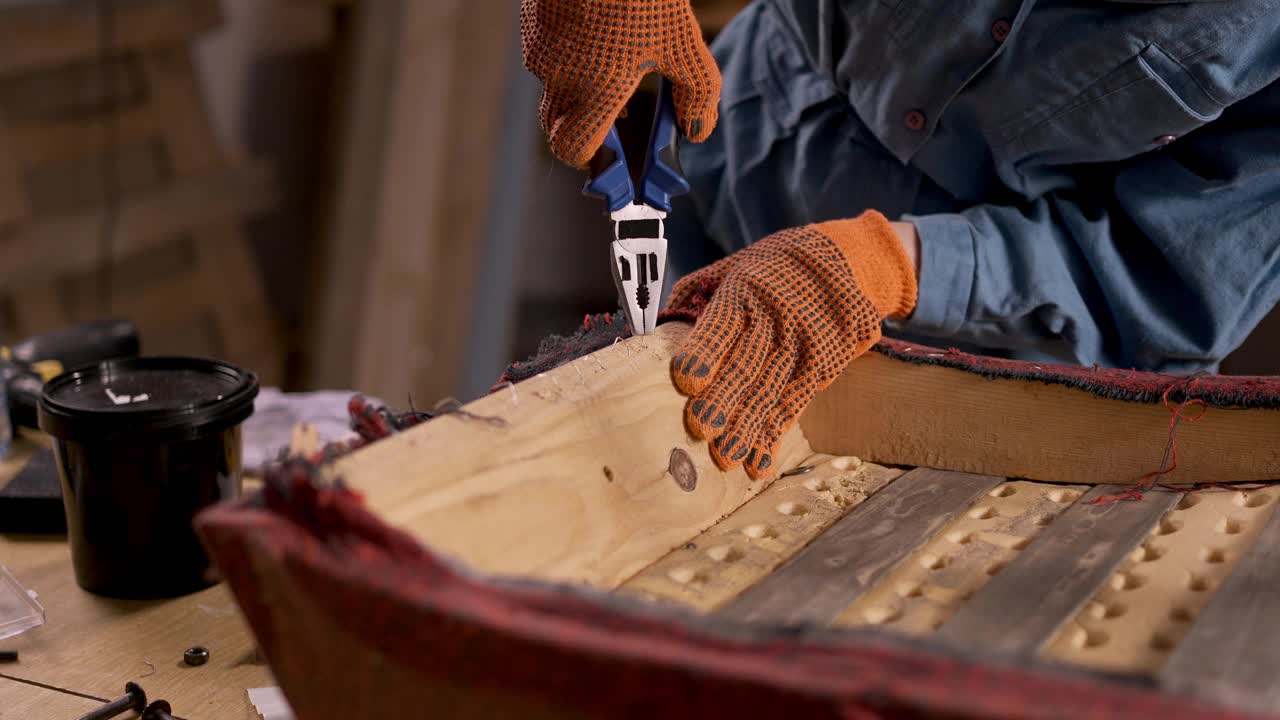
point(659, 182)
point(639, 248)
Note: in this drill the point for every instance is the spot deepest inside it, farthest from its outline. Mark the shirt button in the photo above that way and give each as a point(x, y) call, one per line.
point(1165, 139)
point(1000, 30)
point(914, 120)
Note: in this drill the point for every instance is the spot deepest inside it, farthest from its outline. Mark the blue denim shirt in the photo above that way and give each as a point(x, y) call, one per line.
point(1093, 182)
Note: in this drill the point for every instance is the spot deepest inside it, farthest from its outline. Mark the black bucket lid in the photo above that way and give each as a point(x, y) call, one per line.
point(162, 398)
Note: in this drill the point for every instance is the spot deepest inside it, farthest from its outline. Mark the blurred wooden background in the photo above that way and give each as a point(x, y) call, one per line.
point(114, 190)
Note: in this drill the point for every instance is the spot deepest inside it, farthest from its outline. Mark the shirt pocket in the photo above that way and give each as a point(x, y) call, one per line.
point(786, 80)
point(1146, 103)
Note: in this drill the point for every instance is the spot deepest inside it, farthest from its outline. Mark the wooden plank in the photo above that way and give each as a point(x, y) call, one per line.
point(1138, 618)
point(94, 645)
point(898, 413)
point(74, 185)
point(361, 106)
point(187, 300)
point(85, 89)
point(13, 197)
point(197, 334)
point(190, 141)
point(483, 47)
point(1066, 565)
point(174, 109)
point(168, 263)
point(568, 476)
point(51, 33)
point(745, 547)
point(926, 588)
point(847, 560)
point(227, 274)
point(163, 303)
point(1231, 656)
point(69, 139)
point(412, 199)
point(144, 221)
point(403, 241)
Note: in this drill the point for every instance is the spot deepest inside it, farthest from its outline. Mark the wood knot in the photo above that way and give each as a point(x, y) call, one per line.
point(682, 469)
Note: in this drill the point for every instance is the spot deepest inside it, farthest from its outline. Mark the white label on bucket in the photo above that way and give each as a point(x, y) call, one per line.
point(126, 399)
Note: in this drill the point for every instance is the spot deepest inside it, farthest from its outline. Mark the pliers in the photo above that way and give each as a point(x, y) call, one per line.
point(639, 247)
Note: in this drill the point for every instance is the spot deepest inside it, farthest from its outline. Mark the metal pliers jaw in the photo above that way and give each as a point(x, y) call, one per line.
point(639, 248)
point(639, 264)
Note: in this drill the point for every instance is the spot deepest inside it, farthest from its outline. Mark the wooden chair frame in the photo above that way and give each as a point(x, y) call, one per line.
point(584, 479)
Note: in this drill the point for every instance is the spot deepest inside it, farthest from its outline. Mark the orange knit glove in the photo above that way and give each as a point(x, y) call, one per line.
point(591, 55)
point(785, 316)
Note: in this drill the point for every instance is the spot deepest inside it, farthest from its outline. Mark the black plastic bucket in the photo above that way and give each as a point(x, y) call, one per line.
point(143, 444)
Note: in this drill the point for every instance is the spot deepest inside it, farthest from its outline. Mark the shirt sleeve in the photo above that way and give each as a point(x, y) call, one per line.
point(1165, 262)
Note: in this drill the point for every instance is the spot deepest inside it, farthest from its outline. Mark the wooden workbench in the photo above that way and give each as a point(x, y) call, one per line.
point(91, 646)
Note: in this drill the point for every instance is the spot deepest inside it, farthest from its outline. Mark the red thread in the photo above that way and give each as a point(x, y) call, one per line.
point(1170, 460)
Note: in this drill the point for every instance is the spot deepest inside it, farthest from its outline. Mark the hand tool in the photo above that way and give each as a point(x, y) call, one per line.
point(26, 366)
point(639, 248)
point(134, 698)
point(158, 710)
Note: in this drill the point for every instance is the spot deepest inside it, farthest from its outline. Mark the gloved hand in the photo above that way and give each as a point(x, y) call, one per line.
point(779, 321)
point(591, 55)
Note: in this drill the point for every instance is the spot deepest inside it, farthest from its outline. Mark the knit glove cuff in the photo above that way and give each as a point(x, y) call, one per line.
point(883, 270)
